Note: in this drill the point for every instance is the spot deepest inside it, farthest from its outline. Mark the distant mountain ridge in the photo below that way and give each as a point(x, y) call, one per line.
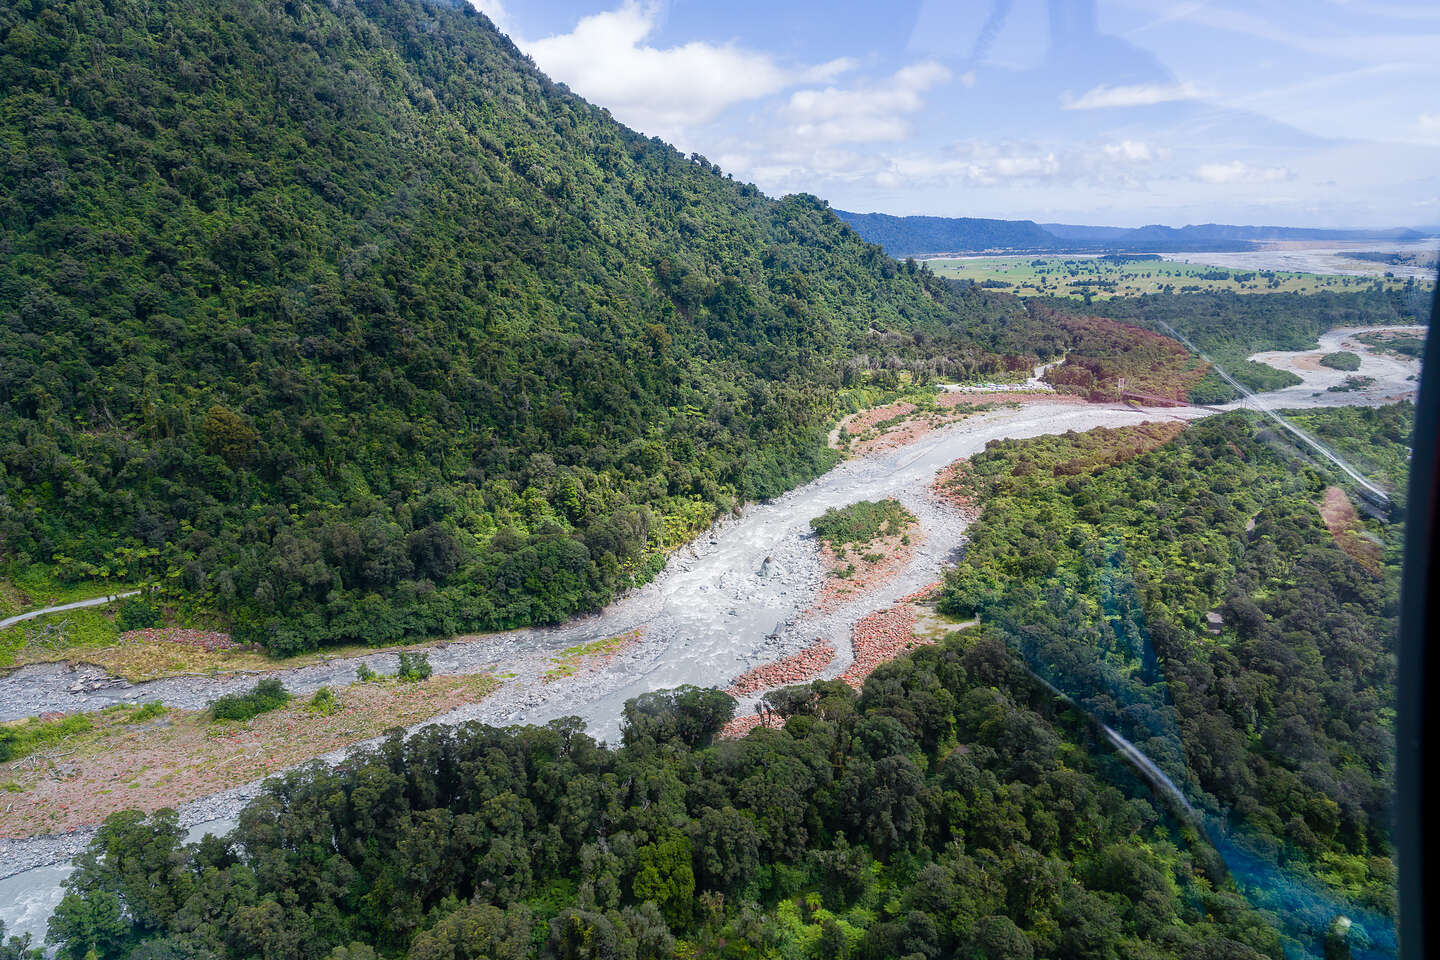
point(927, 236)
point(907, 236)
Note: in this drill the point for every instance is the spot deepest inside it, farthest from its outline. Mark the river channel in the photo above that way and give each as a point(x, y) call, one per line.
point(739, 596)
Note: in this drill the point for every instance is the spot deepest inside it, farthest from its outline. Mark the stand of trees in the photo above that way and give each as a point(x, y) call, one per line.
point(955, 809)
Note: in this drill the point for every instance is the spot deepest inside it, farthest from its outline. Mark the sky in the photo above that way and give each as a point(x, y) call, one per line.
point(1118, 112)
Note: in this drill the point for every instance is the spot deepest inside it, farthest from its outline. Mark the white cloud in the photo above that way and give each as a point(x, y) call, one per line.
point(974, 163)
point(1133, 95)
point(661, 91)
point(1428, 125)
point(1238, 171)
point(785, 164)
point(864, 114)
point(1130, 151)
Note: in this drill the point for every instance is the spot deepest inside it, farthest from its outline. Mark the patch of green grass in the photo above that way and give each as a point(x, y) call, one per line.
point(40, 585)
point(24, 738)
point(568, 661)
point(72, 629)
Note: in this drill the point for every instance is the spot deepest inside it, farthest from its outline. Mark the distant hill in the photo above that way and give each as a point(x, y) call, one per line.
point(929, 236)
point(911, 236)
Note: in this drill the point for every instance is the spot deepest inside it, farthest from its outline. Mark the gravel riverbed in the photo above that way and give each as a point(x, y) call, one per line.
point(738, 597)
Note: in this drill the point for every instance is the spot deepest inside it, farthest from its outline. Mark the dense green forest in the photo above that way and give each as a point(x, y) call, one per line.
point(955, 809)
point(1191, 597)
point(342, 320)
point(1229, 327)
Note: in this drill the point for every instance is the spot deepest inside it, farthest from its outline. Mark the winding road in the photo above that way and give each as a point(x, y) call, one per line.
point(738, 597)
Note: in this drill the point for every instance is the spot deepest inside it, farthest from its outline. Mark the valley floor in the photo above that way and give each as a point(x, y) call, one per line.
point(739, 598)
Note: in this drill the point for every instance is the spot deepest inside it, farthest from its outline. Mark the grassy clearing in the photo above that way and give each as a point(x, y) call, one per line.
point(934, 626)
point(137, 757)
point(1104, 278)
point(24, 737)
point(58, 636)
point(92, 636)
point(572, 659)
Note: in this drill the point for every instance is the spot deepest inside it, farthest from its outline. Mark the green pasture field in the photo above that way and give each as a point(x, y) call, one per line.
point(1104, 277)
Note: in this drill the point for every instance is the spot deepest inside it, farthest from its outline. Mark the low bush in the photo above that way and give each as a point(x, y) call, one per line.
point(266, 695)
point(324, 702)
point(150, 711)
point(413, 666)
point(20, 739)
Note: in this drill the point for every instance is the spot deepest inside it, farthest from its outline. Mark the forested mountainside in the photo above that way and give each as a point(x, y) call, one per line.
point(956, 809)
point(344, 321)
point(1189, 594)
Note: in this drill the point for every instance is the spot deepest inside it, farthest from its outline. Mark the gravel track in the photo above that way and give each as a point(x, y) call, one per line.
point(62, 607)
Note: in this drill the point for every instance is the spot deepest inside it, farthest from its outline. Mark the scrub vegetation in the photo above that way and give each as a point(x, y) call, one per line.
point(267, 695)
point(1341, 360)
point(1101, 574)
point(1230, 327)
point(861, 523)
